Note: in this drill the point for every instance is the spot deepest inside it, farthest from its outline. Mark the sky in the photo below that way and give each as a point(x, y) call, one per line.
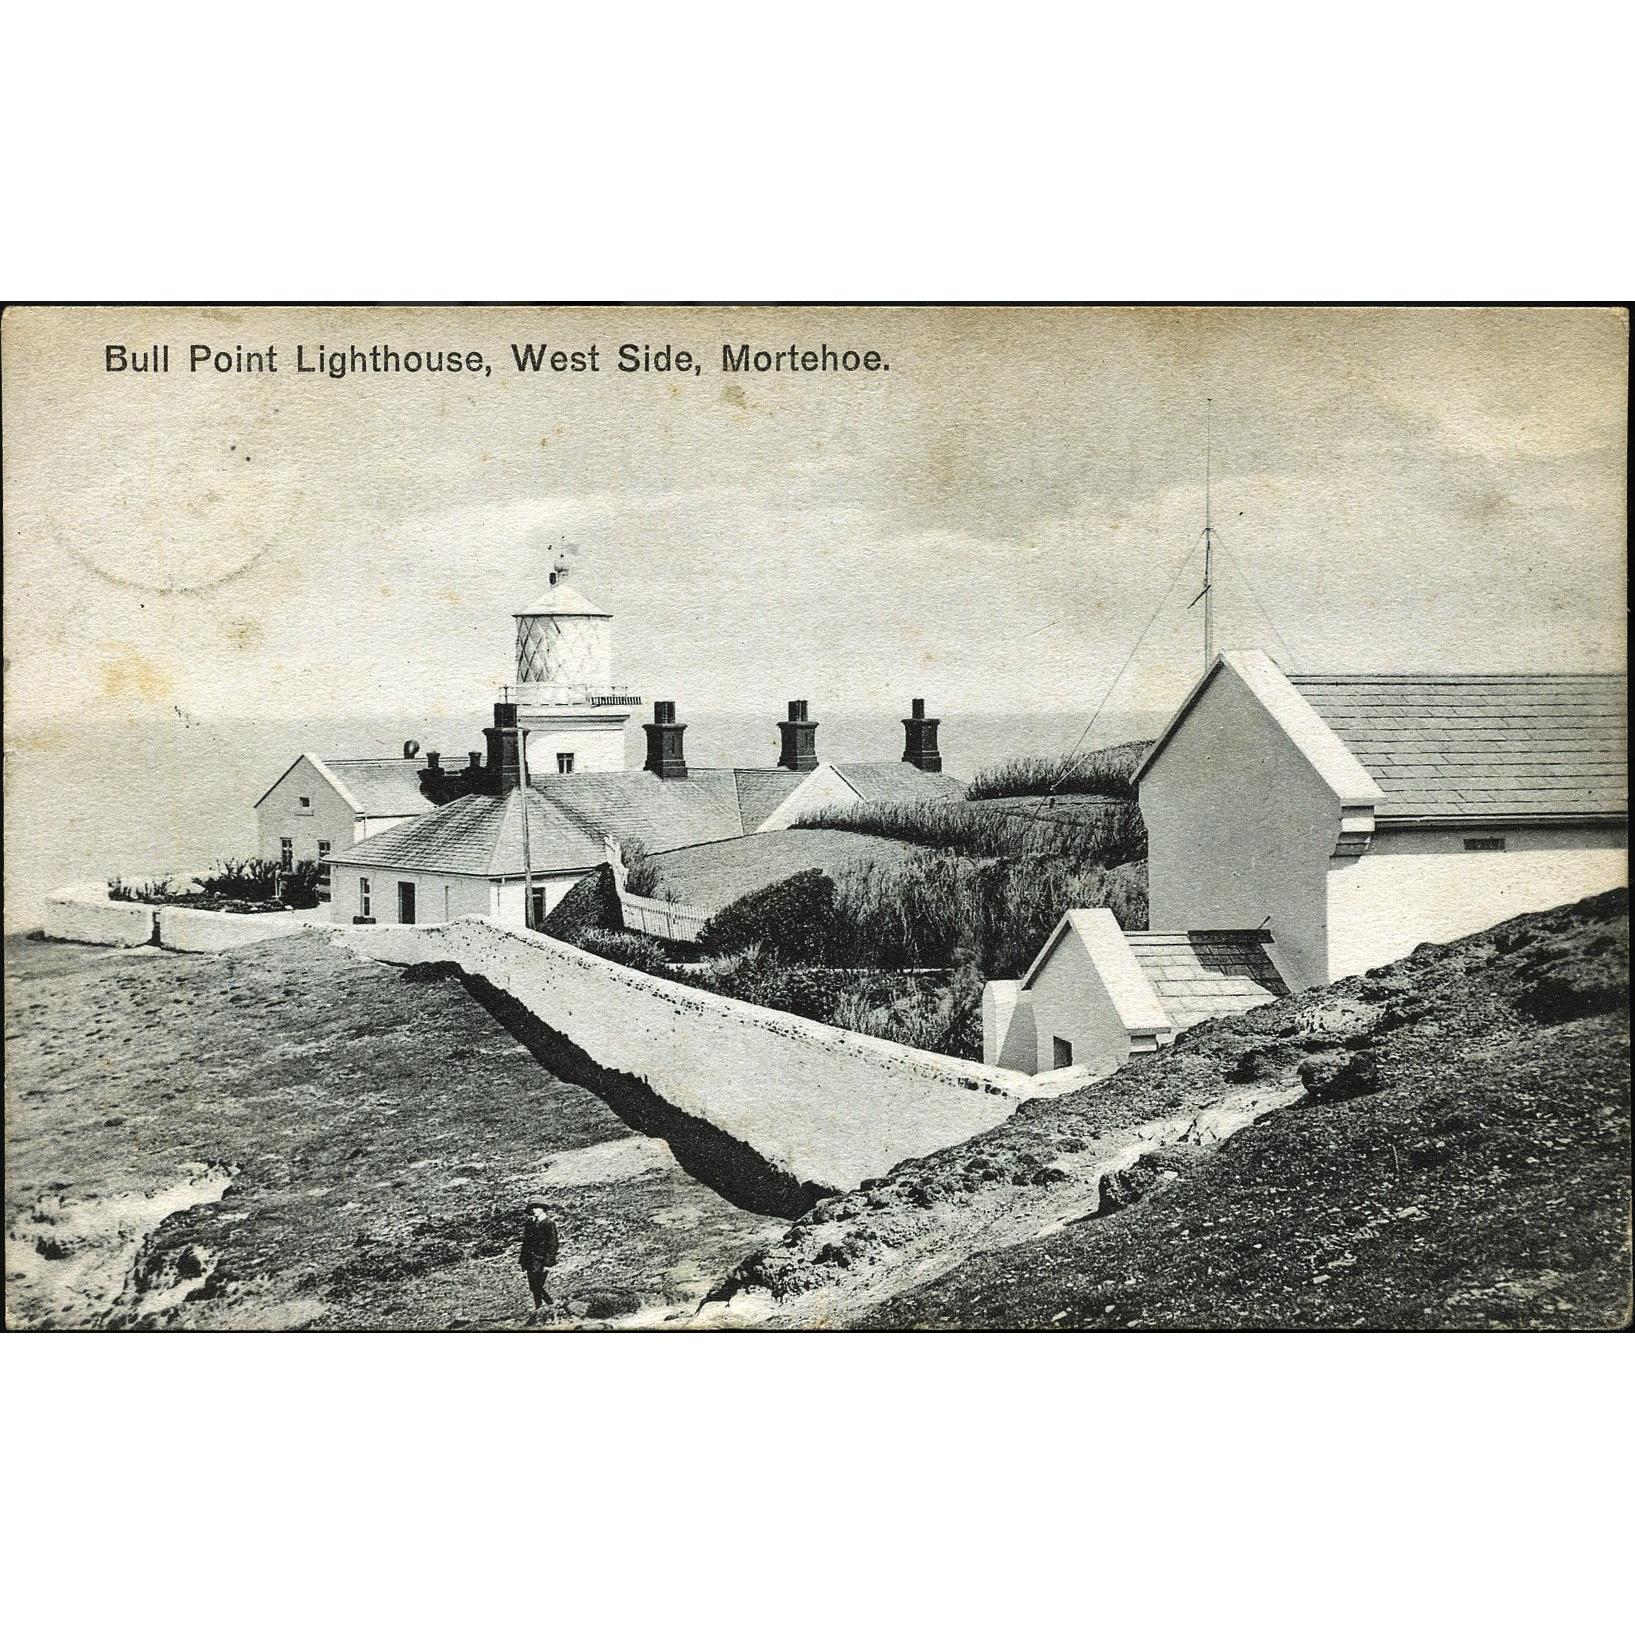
point(990, 523)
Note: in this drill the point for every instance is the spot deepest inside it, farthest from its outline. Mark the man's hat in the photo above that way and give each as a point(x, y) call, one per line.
point(536, 1203)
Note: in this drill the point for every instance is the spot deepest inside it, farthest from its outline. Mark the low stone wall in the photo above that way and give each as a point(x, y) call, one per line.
point(828, 1107)
point(87, 914)
point(201, 931)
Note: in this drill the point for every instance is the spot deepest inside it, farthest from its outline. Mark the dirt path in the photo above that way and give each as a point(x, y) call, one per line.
point(287, 1137)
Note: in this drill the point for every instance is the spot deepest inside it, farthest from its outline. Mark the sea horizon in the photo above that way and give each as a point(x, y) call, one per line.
point(85, 801)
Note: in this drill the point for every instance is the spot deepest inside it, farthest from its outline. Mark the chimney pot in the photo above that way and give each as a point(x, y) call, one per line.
point(433, 759)
point(474, 759)
point(917, 709)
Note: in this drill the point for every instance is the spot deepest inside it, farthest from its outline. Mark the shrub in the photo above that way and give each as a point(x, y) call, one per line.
point(1109, 771)
point(940, 909)
point(627, 948)
point(244, 880)
point(792, 920)
point(641, 872)
point(1105, 835)
point(591, 904)
point(301, 888)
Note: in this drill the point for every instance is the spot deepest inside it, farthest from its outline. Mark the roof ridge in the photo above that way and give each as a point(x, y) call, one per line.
point(1388, 676)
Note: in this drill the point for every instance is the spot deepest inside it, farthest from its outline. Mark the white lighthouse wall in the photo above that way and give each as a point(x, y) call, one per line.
point(596, 743)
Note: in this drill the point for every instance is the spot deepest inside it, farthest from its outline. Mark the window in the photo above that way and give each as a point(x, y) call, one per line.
point(286, 852)
point(363, 897)
point(564, 763)
point(306, 803)
point(538, 918)
point(1063, 1049)
point(323, 869)
point(1484, 843)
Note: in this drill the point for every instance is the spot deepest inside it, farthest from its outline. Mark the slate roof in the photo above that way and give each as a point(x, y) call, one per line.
point(762, 790)
point(662, 813)
point(1199, 974)
point(569, 813)
point(384, 786)
point(481, 835)
point(896, 782)
point(1483, 747)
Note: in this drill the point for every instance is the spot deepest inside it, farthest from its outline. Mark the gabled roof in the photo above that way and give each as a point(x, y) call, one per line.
point(382, 786)
point(897, 782)
point(1426, 748)
point(1484, 747)
point(480, 835)
point(1199, 974)
point(762, 790)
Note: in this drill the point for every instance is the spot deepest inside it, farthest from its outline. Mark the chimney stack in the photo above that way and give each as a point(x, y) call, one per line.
point(664, 754)
point(921, 748)
point(799, 739)
point(504, 764)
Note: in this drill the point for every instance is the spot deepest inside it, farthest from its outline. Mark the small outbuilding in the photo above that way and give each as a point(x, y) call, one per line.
point(1097, 995)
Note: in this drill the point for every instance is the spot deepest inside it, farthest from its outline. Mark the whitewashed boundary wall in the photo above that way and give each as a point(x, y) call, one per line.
point(828, 1107)
point(87, 914)
point(199, 931)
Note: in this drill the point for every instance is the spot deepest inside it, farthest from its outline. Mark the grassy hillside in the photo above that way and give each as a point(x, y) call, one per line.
point(710, 877)
point(1442, 1144)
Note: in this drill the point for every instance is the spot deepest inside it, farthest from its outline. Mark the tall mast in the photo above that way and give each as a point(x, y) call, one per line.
point(1209, 538)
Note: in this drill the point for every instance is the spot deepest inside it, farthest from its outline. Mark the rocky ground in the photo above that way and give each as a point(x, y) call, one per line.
point(290, 1137)
point(1442, 1144)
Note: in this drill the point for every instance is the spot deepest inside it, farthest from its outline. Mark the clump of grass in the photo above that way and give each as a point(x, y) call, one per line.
point(1109, 772)
point(121, 890)
point(1100, 835)
point(641, 872)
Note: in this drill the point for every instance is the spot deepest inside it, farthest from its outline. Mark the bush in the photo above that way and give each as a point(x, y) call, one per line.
point(792, 920)
point(627, 948)
point(1105, 835)
point(641, 872)
point(591, 904)
point(1109, 772)
point(301, 888)
point(243, 880)
point(941, 909)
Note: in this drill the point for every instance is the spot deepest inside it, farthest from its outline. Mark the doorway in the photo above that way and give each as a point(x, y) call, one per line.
point(405, 902)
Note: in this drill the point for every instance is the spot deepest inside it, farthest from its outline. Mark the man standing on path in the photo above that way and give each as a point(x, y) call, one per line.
point(539, 1247)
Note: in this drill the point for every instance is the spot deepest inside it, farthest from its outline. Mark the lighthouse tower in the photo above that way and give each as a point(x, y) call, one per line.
point(566, 698)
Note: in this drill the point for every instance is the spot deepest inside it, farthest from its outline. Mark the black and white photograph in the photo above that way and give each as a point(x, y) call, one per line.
point(821, 818)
